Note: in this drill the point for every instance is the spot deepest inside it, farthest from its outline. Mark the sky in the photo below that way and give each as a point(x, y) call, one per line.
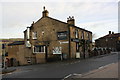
point(98, 16)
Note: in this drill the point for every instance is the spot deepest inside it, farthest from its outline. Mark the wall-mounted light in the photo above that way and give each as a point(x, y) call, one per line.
point(42, 32)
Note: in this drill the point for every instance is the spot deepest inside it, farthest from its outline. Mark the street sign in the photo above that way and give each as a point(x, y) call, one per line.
point(75, 40)
point(64, 42)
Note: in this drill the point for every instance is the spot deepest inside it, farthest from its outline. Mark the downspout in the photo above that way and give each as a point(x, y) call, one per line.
point(69, 41)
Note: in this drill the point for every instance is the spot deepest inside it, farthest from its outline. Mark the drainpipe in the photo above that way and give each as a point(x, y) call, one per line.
point(69, 41)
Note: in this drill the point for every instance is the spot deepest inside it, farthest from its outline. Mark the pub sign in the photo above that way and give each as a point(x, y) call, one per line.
point(62, 35)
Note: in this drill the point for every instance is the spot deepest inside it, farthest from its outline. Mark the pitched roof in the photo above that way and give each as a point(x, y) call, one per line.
point(63, 22)
point(115, 35)
point(16, 43)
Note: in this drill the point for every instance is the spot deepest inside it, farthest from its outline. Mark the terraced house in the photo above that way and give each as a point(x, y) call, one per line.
point(51, 39)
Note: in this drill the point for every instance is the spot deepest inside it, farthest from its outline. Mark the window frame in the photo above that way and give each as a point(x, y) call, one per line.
point(34, 35)
point(88, 36)
point(76, 33)
point(82, 36)
point(38, 49)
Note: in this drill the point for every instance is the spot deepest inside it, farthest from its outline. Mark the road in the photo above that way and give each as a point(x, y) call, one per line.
point(62, 69)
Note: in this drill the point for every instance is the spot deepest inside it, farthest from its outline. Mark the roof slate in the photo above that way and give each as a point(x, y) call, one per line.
point(63, 22)
point(110, 35)
point(16, 43)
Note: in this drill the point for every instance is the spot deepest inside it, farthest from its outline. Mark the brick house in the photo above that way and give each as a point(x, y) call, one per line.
point(110, 41)
point(49, 38)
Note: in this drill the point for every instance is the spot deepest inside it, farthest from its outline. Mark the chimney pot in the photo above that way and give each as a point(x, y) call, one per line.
point(109, 32)
point(45, 12)
point(112, 32)
point(70, 20)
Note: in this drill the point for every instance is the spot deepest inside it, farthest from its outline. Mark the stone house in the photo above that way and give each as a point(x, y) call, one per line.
point(109, 41)
point(49, 38)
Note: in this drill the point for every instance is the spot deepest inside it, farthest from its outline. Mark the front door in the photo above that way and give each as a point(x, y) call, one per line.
point(77, 50)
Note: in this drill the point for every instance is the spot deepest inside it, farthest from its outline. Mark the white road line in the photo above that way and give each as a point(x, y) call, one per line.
point(77, 74)
point(67, 76)
point(9, 73)
point(101, 67)
point(105, 66)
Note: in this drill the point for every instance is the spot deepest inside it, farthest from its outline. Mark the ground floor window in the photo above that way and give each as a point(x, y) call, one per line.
point(38, 49)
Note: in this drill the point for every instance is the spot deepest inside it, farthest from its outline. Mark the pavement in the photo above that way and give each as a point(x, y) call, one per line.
point(108, 71)
point(8, 70)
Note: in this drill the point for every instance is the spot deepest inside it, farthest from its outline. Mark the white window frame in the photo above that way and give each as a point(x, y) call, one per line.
point(38, 49)
point(76, 33)
point(88, 35)
point(82, 35)
point(34, 35)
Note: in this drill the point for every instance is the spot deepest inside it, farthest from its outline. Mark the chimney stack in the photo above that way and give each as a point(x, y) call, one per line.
point(45, 12)
point(112, 32)
point(109, 32)
point(71, 20)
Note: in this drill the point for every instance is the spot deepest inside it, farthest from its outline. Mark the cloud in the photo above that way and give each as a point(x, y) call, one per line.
point(93, 16)
point(59, 0)
point(101, 28)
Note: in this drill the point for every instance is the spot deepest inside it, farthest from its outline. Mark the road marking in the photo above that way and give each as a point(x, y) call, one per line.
point(9, 73)
point(67, 76)
point(77, 74)
point(101, 67)
point(105, 66)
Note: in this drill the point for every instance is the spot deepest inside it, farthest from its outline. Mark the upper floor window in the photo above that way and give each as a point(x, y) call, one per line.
point(82, 36)
point(76, 33)
point(88, 35)
point(34, 35)
point(39, 49)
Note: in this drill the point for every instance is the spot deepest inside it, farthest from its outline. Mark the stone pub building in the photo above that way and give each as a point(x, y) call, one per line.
point(51, 39)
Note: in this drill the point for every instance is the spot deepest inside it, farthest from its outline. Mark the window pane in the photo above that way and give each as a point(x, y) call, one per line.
point(34, 34)
point(39, 48)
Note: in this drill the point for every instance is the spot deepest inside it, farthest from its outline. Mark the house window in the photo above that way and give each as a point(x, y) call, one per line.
point(82, 35)
point(76, 33)
point(34, 35)
point(38, 49)
point(88, 35)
